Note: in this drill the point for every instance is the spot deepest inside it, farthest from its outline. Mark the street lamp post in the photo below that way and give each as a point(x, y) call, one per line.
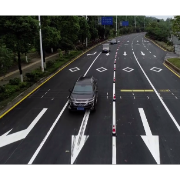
point(40, 35)
point(104, 31)
point(135, 22)
point(144, 23)
point(86, 37)
point(116, 25)
point(86, 20)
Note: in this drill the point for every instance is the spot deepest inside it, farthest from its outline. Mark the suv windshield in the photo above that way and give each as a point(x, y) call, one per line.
point(105, 45)
point(80, 88)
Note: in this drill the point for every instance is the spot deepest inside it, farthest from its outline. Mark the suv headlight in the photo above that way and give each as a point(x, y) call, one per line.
point(72, 99)
point(90, 100)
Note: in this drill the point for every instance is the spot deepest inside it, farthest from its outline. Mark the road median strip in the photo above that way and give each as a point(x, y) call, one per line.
point(172, 67)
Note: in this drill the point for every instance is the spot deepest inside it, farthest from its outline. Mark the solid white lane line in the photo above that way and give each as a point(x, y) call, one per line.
point(168, 111)
point(55, 122)
point(92, 64)
point(47, 135)
point(114, 150)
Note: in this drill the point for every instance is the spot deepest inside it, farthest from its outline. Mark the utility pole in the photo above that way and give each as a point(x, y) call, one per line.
point(104, 31)
point(144, 23)
point(40, 35)
point(116, 25)
point(86, 37)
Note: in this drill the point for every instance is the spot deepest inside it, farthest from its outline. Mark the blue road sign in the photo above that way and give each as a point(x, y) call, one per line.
point(107, 20)
point(125, 23)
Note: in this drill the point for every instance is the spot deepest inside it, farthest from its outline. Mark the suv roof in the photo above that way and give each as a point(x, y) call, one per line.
point(85, 80)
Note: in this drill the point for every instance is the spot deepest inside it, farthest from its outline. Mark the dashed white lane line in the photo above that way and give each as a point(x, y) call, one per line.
point(45, 93)
point(134, 97)
point(148, 97)
point(52, 99)
point(176, 97)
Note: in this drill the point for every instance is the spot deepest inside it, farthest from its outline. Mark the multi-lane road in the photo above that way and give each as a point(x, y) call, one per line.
point(137, 120)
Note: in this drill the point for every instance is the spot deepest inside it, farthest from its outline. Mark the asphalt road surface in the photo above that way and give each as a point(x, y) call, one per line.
point(137, 120)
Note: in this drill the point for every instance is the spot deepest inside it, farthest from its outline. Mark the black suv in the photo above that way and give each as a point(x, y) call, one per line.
point(84, 94)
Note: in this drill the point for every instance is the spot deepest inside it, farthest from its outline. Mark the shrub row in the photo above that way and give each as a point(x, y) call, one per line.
point(15, 86)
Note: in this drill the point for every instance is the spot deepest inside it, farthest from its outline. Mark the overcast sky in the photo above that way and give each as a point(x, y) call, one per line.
point(162, 16)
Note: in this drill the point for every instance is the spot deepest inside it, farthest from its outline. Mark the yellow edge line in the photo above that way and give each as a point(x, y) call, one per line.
point(124, 90)
point(171, 70)
point(47, 80)
point(155, 44)
point(139, 90)
point(148, 90)
point(164, 90)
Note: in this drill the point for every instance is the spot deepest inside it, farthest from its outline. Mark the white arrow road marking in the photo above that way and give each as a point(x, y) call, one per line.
point(152, 142)
point(107, 54)
point(125, 54)
point(79, 140)
point(91, 54)
point(6, 139)
point(142, 53)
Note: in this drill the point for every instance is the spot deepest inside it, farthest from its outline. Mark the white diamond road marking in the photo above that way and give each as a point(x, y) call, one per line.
point(74, 69)
point(156, 69)
point(101, 69)
point(127, 69)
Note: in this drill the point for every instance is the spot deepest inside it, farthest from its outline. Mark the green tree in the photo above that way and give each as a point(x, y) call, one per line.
point(6, 58)
point(176, 26)
point(18, 32)
point(84, 29)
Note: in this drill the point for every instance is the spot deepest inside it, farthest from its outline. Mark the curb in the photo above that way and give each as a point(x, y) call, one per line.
point(155, 43)
point(172, 68)
point(17, 101)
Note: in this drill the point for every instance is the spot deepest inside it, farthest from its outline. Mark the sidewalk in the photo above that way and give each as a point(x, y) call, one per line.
point(34, 64)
